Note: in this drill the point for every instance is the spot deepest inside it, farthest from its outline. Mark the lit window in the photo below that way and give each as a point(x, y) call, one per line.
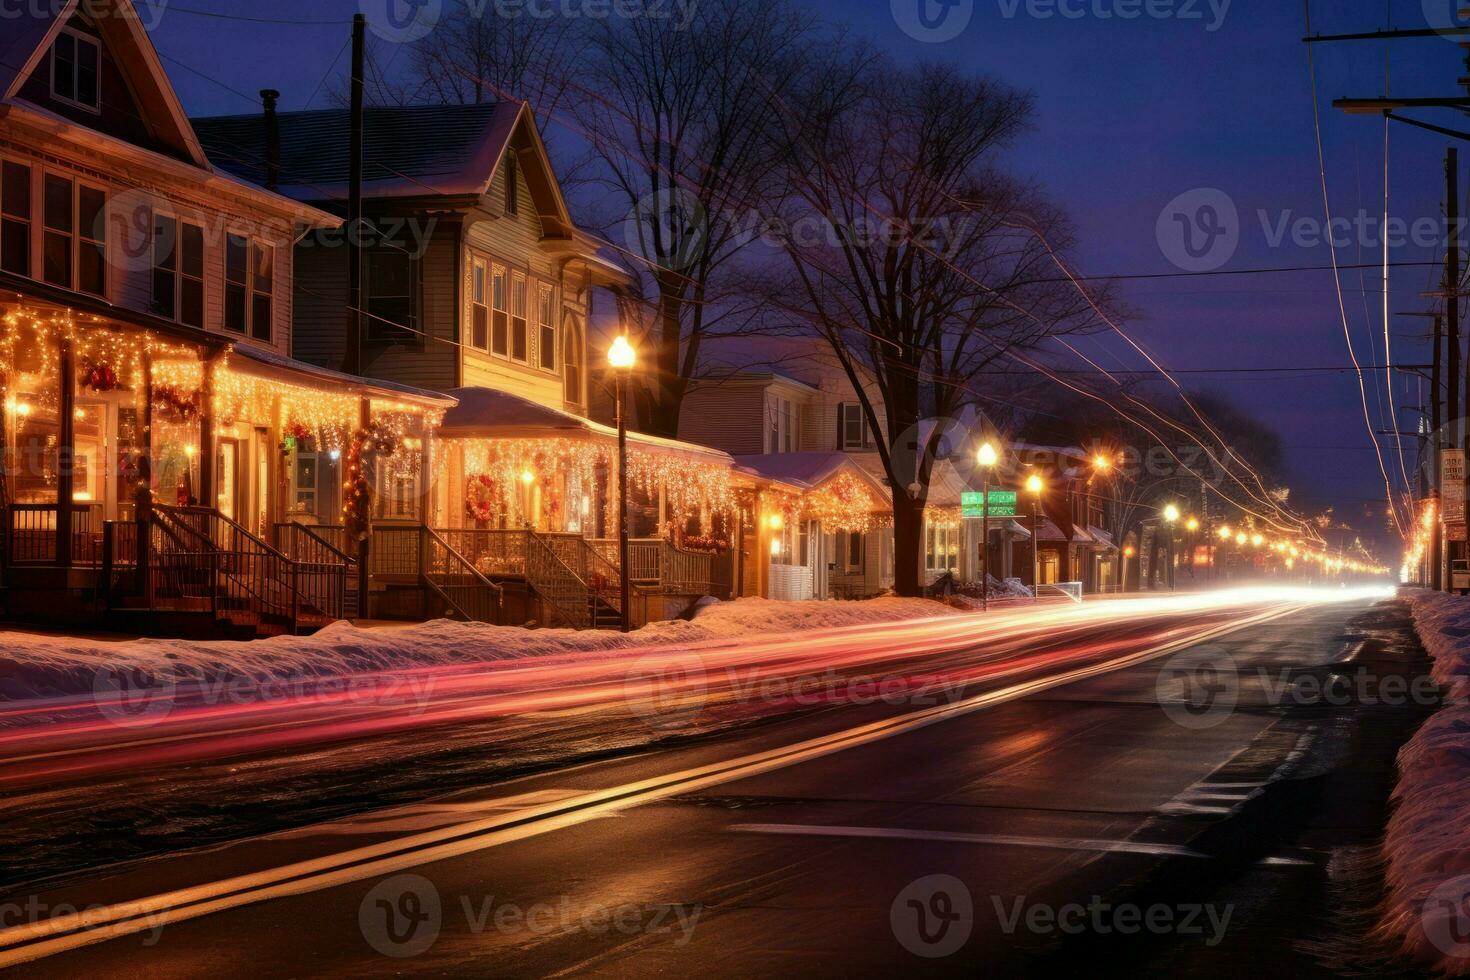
point(546, 341)
point(480, 306)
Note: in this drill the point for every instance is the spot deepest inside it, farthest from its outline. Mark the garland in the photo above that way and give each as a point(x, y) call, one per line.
point(174, 404)
point(357, 490)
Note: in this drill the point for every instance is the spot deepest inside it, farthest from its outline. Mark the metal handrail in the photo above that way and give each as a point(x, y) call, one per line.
point(470, 594)
point(542, 563)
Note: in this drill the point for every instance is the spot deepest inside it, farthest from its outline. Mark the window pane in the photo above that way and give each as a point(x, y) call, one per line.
point(58, 203)
point(57, 259)
point(192, 259)
point(481, 332)
point(548, 348)
point(192, 302)
point(15, 197)
point(92, 213)
point(479, 283)
point(92, 273)
point(518, 338)
point(499, 342)
point(235, 252)
point(63, 74)
point(87, 74)
point(260, 318)
point(265, 261)
point(15, 247)
point(235, 308)
point(165, 252)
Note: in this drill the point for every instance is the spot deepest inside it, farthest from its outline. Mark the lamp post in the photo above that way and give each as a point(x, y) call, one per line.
point(1034, 486)
point(986, 457)
point(1171, 517)
point(621, 357)
point(1192, 526)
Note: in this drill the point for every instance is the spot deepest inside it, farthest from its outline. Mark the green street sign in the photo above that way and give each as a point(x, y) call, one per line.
point(1002, 504)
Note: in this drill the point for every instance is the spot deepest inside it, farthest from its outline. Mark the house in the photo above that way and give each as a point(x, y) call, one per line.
point(478, 284)
point(155, 422)
point(1073, 543)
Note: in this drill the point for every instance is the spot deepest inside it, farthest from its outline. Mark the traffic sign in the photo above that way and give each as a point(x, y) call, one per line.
point(1002, 504)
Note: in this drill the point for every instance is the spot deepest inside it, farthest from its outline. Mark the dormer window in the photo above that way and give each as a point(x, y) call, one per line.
point(74, 69)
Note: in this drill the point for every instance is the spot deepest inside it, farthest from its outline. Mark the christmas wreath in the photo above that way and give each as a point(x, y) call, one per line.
point(483, 499)
point(100, 377)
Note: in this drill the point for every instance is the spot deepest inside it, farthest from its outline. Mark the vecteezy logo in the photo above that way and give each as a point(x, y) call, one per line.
point(1445, 917)
point(933, 917)
point(669, 228)
point(402, 21)
point(131, 698)
point(666, 690)
point(932, 21)
point(1448, 17)
point(401, 916)
point(1198, 688)
point(1199, 230)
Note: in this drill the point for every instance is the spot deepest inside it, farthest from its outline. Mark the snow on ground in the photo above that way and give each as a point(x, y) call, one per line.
point(1428, 839)
point(35, 666)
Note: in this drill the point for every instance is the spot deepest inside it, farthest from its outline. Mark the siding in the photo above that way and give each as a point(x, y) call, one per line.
point(729, 416)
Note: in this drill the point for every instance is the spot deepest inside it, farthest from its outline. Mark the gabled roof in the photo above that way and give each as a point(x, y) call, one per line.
point(26, 39)
point(408, 152)
point(809, 470)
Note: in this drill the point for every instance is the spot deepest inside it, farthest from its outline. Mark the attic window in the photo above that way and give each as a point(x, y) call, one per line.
point(74, 61)
point(512, 187)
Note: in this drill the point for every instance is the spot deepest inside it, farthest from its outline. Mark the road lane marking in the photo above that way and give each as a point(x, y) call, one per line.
point(30, 941)
point(1009, 840)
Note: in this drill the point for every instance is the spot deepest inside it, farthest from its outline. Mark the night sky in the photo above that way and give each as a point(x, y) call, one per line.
point(1131, 114)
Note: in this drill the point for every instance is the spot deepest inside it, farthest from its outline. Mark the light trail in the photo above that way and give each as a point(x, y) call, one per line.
point(691, 686)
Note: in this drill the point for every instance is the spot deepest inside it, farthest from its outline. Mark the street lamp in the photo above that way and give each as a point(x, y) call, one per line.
point(621, 357)
point(1035, 486)
point(987, 456)
point(1171, 517)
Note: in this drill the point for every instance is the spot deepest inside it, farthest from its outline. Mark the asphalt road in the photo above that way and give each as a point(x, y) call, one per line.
point(1012, 829)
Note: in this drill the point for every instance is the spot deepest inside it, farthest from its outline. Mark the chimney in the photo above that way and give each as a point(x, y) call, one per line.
point(268, 99)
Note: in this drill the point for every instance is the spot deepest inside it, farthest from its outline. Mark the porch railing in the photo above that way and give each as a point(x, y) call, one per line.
point(449, 574)
point(657, 564)
point(30, 534)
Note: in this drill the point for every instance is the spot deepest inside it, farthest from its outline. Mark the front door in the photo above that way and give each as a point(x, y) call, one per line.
point(229, 479)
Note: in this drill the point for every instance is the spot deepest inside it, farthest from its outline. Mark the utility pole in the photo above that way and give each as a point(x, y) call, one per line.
point(352, 348)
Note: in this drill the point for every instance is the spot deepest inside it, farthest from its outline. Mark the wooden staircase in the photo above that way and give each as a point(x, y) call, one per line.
point(203, 574)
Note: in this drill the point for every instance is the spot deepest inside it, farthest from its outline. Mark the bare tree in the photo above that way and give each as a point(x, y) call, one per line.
point(930, 264)
point(681, 119)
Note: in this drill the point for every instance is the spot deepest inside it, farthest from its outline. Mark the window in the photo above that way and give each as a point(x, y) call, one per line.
point(518, 340)
point(571, 360)
point(941, 549)
point(499, 315)
point(852, 427)
point(546, 339)
point(264, 276)
point(178, 270)
point(15, 218)
point(74, 60)
point(389, 296)
point(237, 250)
point(60, 232)
point(304, 477)
point(512, 186)
point(850, 551)
point(249, 286)
point(784, 420)
point(397, 495)
point(92, 234)
point(480, 305)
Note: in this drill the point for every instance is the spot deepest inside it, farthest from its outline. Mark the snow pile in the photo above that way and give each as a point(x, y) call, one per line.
point(1427, 843)
point(44, 667)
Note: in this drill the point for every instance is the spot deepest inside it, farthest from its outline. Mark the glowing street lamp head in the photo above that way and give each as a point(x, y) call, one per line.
point(621, 354)
point(1101, 463)
point(987, 455)
point(1241, 539)
point(1034, 485)
point(1192, 524)
point(1226, 534)
point(1257, 540)
point(1171, 513)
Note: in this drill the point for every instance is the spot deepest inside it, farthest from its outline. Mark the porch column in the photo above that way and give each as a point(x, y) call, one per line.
point(65, 454)
point(208, 496)
point(364, 570)
point(426, 479)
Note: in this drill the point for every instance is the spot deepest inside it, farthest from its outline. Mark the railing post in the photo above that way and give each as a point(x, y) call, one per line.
point(295, 598)
point(108, 534)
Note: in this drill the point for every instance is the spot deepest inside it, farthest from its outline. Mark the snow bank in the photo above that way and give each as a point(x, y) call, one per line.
point(34, 667)
point(1427, 843)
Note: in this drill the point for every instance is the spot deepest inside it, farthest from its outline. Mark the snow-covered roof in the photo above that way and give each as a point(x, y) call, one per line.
point(808, 470)
point(371, 387)
point(484, 413)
